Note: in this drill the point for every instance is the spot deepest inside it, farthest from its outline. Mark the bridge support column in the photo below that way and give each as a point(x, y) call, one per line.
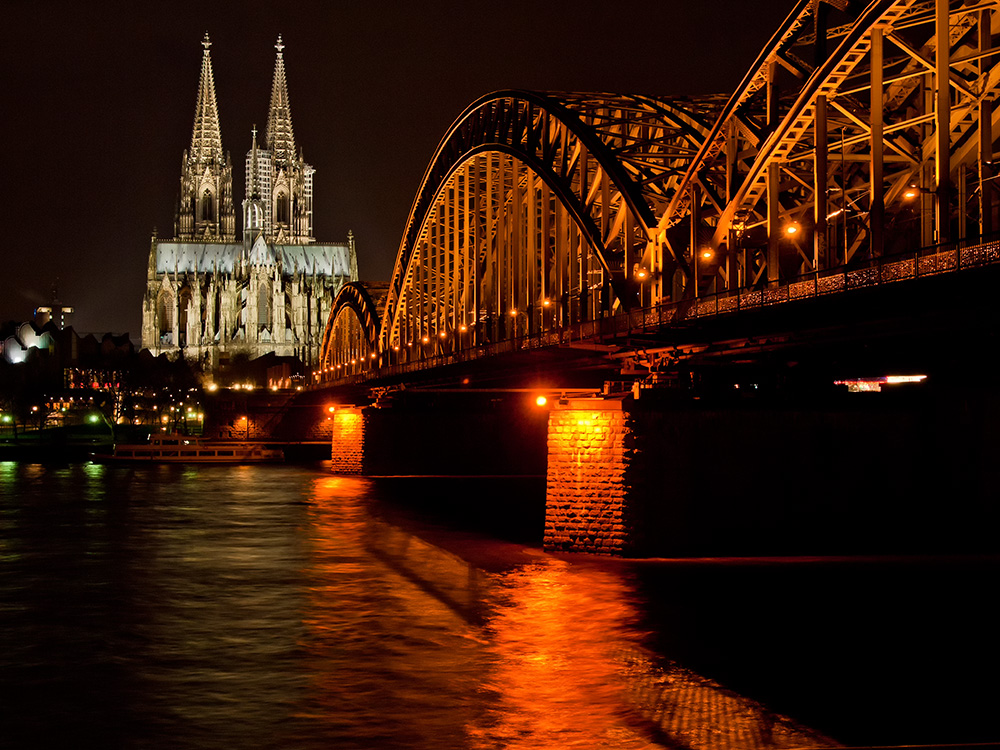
point(586, 499)
point(347, 451)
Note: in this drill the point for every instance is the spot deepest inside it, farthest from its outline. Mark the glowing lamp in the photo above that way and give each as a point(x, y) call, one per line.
point(642, 273)
point(463, 328)
point(911, 193)
point(425, 339)
point(546, 302)
point(443, 335)
point(707, 254)
point(541, 401)
point(513, 312)
point(792, 229)
point(331, 409)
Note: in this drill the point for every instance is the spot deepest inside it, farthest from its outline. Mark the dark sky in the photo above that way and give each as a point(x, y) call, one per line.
point(99, 102)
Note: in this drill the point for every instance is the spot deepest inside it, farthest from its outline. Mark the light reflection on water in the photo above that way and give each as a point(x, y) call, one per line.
point(276, 607)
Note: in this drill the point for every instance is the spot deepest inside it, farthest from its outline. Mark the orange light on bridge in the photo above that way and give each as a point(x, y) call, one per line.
point(707, 254)
point(641, 273)
point(513, 312)
point(443, 334)
point(425, 339)
point(463, 328)
point(911, 192)
point(373, 355)
point(546, 302)
point(331, 409)
point(792, 229)
point(541, 401)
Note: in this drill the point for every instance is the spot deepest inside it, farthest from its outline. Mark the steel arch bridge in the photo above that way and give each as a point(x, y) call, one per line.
point(860, 130)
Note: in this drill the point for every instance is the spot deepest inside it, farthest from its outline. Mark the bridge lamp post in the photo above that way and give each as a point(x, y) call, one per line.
point(516, 315)
point(642, 276)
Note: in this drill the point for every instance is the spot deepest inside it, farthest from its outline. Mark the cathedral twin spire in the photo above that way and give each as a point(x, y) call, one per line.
point(279, 184)
point(278, 137)
point(206, 140)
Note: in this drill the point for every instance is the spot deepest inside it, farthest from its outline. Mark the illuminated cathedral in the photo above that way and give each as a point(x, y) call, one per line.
point(210, 297)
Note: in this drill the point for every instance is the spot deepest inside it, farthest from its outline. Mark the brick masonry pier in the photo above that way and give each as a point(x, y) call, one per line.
point(586, 491)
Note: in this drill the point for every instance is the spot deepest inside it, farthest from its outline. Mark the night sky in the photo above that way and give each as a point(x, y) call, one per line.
point(99, 102)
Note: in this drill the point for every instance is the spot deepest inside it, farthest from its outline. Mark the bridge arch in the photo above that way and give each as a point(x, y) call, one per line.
point(534, 213)
point(857, 122)
point(351, 335)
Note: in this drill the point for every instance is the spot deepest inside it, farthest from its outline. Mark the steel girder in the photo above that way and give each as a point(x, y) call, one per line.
point(540, 210)
point(840, 142)
point(534, 201)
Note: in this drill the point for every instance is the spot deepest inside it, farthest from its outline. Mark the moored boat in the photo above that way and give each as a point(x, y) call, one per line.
point(173, 448)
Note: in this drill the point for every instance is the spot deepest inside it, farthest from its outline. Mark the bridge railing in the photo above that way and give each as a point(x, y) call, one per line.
point(874, 272)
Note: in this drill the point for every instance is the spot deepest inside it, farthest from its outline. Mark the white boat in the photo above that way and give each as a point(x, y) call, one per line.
point(173, 448)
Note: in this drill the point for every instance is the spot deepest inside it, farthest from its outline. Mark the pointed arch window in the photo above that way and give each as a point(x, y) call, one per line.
point(264, 306)
point(207, 213)
point(165, 318)
point(281, 209)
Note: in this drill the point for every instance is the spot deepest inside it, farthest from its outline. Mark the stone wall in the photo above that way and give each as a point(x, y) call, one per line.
point(586, 491)
point(348, 441)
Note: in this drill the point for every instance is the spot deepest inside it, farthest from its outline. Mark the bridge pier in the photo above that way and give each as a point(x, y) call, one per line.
point(347, 448)
point(586, 494)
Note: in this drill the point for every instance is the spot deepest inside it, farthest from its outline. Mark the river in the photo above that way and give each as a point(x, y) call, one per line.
point(283, 607)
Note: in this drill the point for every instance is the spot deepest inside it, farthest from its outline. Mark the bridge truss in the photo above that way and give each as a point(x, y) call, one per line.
point(860, 131)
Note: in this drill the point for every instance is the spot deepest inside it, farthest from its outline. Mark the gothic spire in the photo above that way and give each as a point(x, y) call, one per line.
point(206, 139)
point(253, 189)
point(279, 137)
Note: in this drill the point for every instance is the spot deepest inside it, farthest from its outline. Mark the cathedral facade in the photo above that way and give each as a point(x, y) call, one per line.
point(210, 297)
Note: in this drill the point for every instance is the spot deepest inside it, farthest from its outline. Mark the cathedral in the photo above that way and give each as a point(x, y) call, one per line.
point(210, 297)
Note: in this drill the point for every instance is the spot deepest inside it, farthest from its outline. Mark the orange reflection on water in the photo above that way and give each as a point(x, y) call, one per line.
point(555, 676)
point(407, 644)
point(391, 660)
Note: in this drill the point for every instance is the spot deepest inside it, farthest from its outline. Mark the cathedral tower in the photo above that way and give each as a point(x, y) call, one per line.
point(205, 210)
point(282, 178)
point(210, 298)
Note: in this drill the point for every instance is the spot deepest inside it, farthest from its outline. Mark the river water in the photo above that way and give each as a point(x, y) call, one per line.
point(282, 607)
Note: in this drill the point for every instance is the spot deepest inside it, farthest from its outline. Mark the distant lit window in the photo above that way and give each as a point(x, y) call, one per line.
point(207, 213)
point(281, 209)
